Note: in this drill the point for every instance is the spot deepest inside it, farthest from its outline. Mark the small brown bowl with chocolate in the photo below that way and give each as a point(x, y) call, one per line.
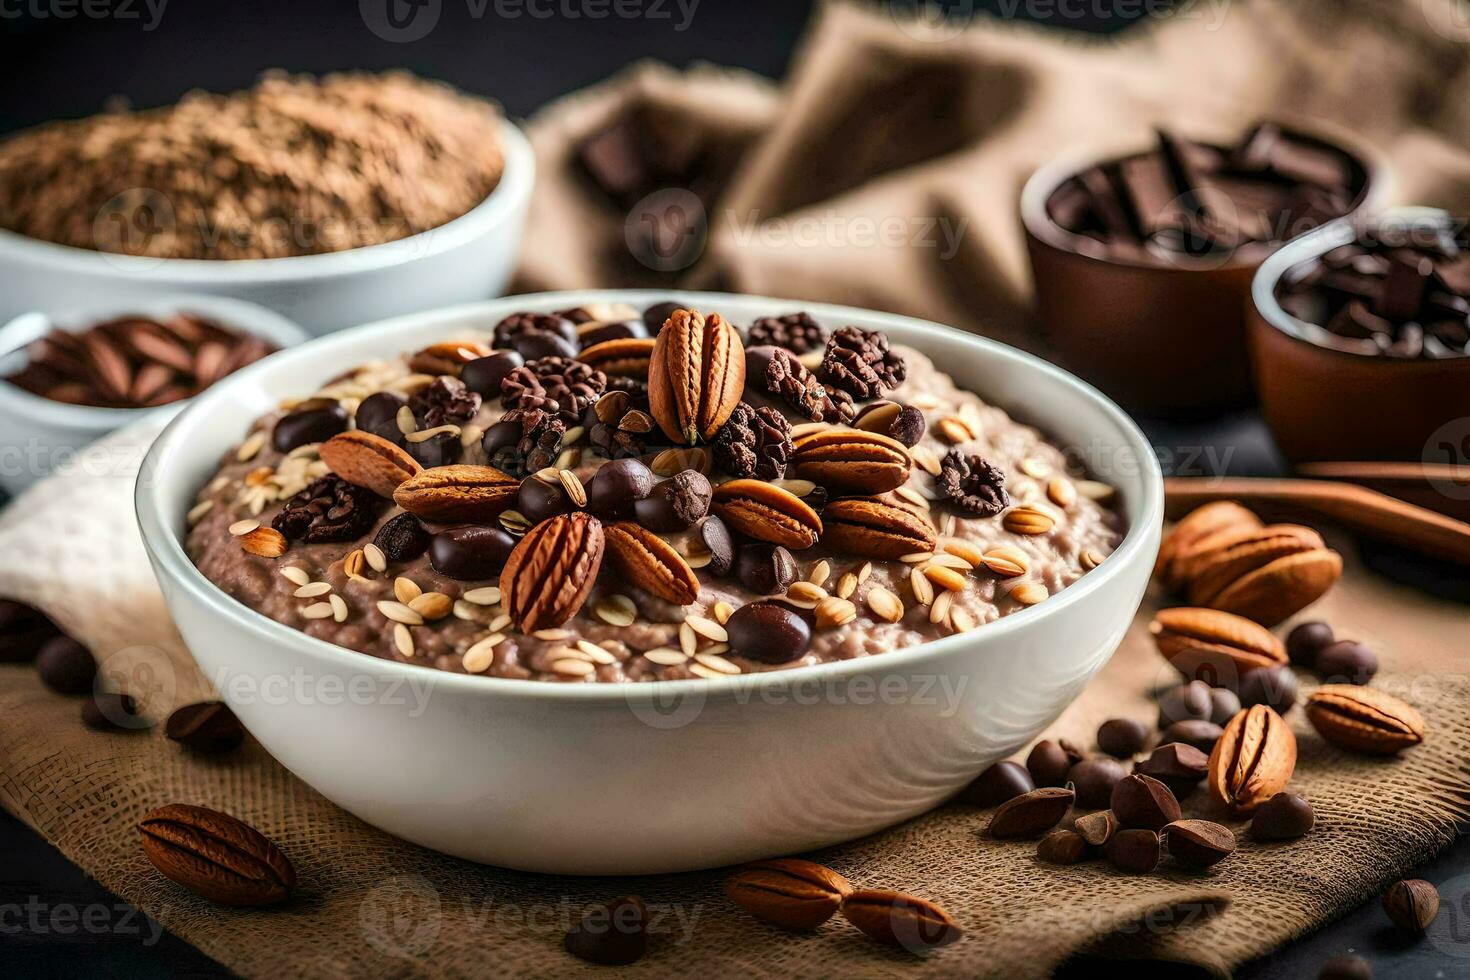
point(1143, 262)
point(1360, 338)
point(68, 379)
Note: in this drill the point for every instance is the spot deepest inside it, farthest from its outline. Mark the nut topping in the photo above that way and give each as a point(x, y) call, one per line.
point(767, 513)
point(651, 563)
point(551, 571)
point(625, 357)
point(448, 494)
point(1205, 643)
point(852, 461)
point(1364, 719)
point(696, 376)
point(370, 461)
point(788, 892)
point(1253, 760)
point(900, 920)
point(875, 528)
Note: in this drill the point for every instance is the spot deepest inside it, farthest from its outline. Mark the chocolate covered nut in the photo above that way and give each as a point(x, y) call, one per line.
point(1136, 851)
point(66, 666)
point(768, 569)
point(1062, 847)
point(1097, 828)
point(1197, 733)
point(378, 414)
point(655, 315)
point(617, 486)
point(1142, 801)
point(676, 503)
point(1031, 814)
point(316, 420)
point(441, 449)
point(614, 935)
point(402, 538)
point(471, 551)
point(997, 784)
point(483, 375)
point(1050, 761)
point(1198, 843)
point(542, 499)
point(1094, 779)
point(1346, 662)
point(769, 632)
point(209, 727)
point(718, 544)
point(1411, 905)
point(1122, 737)
point(1275, 687)
point(1306, 640)
point(1178, 766)
point(1285, 816)
point(1185, 702)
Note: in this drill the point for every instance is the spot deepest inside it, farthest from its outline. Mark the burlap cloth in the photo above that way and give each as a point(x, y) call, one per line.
point(853, 134)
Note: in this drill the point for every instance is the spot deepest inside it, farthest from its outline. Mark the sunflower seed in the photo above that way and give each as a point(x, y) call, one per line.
point(251, 447)
point(923, 589)
point(339, 607)
point(553, 635)
point(573, 487)
point(406, 589)
point(406, 422)
point(885, 604)
point(317, 610)
point(945, 578)
point(832, 612)
point(846, 585)
point(819, 573)
point(615, 610)
point(707, 628)
point(1089, 559)
point(1034, 468)
point(485, 595)
point(688, 639)
point(570, 667)
point(717, 663)
point(722, 612)
point(197, 512)
point(375, 557)
point(599, 655)
point(1029, 593)
point(242, 528)
point(940, 610)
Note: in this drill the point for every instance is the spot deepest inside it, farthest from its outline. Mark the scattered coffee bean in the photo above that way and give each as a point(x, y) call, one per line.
point(106, 711)
point(378, 415)
point(1031, 814)
point(1094, 779)
point(617, 486)
point(788, 892)
point(1122, 737)
point(1198, 843)
point(1141, 801)
point(402, 538)
point(66, 666)
point(209, 727)
point(675, 503)
point(615, 934)
point(1185, 702)
point(1272, 686)
point(1285, 816)
point(766, 569)
point(470, 551)
point(484, 374)
point(1178, 766)
point(24, 629)
point(1306, 640)
point(1224, 705)
point(541, 500)
point(655, 315)
point(1346, 967)
point(769, 632)
point(1001, 782)
point(1412, 905)
point(316, 420)
point(216, 856)
point(1200, 734)
point(1062, 847)
point(1097, 828)
point(720, 543)
point(900, 920)
point(1049, 761)
point(1136, 851)
point(1346, 662)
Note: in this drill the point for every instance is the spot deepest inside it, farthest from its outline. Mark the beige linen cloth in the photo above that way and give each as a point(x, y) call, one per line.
point(878, 119)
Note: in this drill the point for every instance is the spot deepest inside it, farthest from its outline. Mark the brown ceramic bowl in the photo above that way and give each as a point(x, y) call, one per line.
point(1162, 336)
point(1327, 404)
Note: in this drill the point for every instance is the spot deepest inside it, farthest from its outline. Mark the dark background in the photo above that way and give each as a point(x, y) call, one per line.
point(54, 66)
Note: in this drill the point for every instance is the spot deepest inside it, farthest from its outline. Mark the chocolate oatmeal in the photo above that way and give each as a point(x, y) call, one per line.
point(595, 495)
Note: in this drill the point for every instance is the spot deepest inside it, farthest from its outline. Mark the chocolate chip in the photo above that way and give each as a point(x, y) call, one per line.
point(655, 316)
point(1062, 847)
point(1094, 779)
point(1198, 843)
point(676, 503)
point(614, 935)
point(1306, 640)
point(766, 569)
point(769, 632)
point(209, 727)
point(1142, 801)
point(1177, 765)
point(1050, 761)
point(444, 402)
point(908, 428)
point(109, 711)
point(470, 551)
point(1224, 705)
point(438, 450)
point(66, 666)
point(1285, 816)
point(1274, 686)
point(24, 629)
point(378, 414)
point(541, 500)
point(1122, 737)
point(402, 538)
point(1002, 781)
point(1196, 732)
point(1346, 662)
point(483, 375)
point(1345, 967)
point(1185, 702)
point(315, 421)
point(719, 542)
point(1136, 851)
point(617, 486)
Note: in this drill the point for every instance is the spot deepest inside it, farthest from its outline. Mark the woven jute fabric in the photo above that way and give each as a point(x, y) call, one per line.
point(371, 905)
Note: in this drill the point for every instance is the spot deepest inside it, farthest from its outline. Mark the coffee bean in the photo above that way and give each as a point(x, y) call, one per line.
point(1094, 779)
point(997, 784)
point(676, 503)
point(470, 551)
point(613, 330)
point(107, 711)
point(1062, 847)
point(719, 542)
point(1122, 737)
point(216, 856)
point(440, 450)
point(1177, 765)
point(1185, 702)
point(1306, 640)
point(1274, 686)
point(1346, 967)
point(1198, 843)
point(895, 919)
point(66, 666)
point(209, 727)
point(617, 486)
point(1097, 828)
point(402, 538)
point(788, 892)
point(541, 500)
point(1031, 814)
point(1346, 662)
point(1224, 705)
point(766, 569)
point(24, 629)
point(769, 632)
point(1049, 761)
point(614, 935)
point(1198, 733)
point(655, 315)
point(315, 421)
point(1144, 802)
point(1411, 905)
point(378, 414)
point(1285, 816)
point(1135, 851)
point(483, 375)
point(909, 427)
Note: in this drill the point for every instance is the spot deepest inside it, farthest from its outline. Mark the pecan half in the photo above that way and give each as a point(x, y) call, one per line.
point(1198, 642)
point(627, 357)
point(875, 528)
point(767, 513)
point(1221, 559)
point(370, 461)
point(1194, 527)
point(1281, 587)
point(897, 919)
point(788, 892)
point(459, 493)
point(1253, 760)
point(551, 570)
point(216, 856)
point(1364, 719)
point(852, 461)
point(651, 563)
point(696, 375)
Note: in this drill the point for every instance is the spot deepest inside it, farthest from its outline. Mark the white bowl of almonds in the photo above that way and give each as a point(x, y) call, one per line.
point(478, 575)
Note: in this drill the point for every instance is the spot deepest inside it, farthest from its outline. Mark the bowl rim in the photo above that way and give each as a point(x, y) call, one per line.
point(514, 185)
point(171, 561)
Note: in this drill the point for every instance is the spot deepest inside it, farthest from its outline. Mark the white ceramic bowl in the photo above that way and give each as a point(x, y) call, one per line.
point(39, 437)
point(468, 259)
point(669, 776)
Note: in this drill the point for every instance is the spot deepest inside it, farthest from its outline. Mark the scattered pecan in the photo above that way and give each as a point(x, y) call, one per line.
point(696, 374)
point(556, 384)
point(445, 402)
point(524, 440)
point(859, 362)
point(797, 332)
point(754, 442)
point(974, 483)
point(330, 509)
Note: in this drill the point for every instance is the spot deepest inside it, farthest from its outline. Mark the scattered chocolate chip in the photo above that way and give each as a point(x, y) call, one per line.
point(1306, 640)
point(378, 414)
point(656, 315)
point(676, 503)
point(1062, 847)
point(973, 483)
point(537, 335)
point(1142, 801)
point(66, 666)
point(24, 629)
point(1411, 905)
point(1049, 761)
point(1285, 816)
point(316, 420)
point(1346, 662)
point(860, 362)
point(754, 442)
point(768, 632)
point(483, 375)
point(402, 538)
point(470, 551)
point(616, 486)
point(554, 384)
point(1177, 765)
point(614, 935)
point(1031, 814)
point(1136, 851)
point(766, 569)
point(329, 509)
point(1195, 732)
point(1094, 779)
point(1185, 702)
point(437, 450)
point(1198, 843)
point(1274, 686)
point(109, 711)
point(541, 500)
point(444, 402)
point(719, 542)
point(620, 425)
point(1000, 782)
point(1224, 705)
point(209, 727)
point(1346, 967)
point(796, 332)
point(1122, 737)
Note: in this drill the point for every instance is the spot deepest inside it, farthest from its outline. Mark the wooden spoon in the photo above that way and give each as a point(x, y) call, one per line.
point(1372, 514)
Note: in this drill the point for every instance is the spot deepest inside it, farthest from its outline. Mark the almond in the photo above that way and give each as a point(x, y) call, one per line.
point(1364, 719)
point(767, 513)
point(1253, 760)
point(651, 563)
point(551, 570)
point(851, 461)
point(1206, 643)
point(448, 494)
point(788, 892)
point(266, 542)
point(875, 528)
point(626, 356)
point(366, 460)
point(696, 376)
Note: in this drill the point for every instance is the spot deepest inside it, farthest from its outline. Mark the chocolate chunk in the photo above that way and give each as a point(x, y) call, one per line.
point(537, 335)
point(861, 363)
point(614, 935)
point(997, 784)
point(973, 483)
point(1094, 780)
point(617, 486)
point(437, 450)
point(1177, 765)
point(470, 552)
point(770, 632)
point(1062, 847)
point(524, 441)
point(329, 509)
point(754, 442)
point(796, 332)
point(66, 666)
point(1049, 761)
point(1274, 686)
point(1199, 843)
point(402, 538)
point(554, 384)
point(1122, 737)
point(541, 500)
point(484, 375)
point(766, 569)
point(656, 315)
point(1143, 801)
point(1136, 851)
point(776, 372)
point(676, 503)
point(314, 421)
point(110, 711)
point(24, 629)
point(1285, 816)
point(1306, 640)
point(209, 727)
point(1346, 662)
point(378, 414)
point(719, 542)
